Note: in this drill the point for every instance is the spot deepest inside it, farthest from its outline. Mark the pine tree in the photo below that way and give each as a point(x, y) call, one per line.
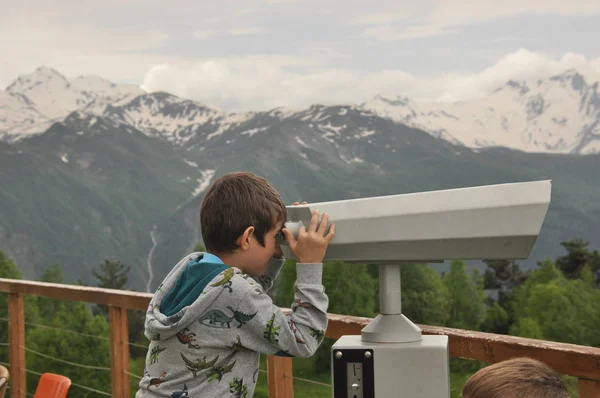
point(577, 257)
point(112, 275)
point(115, 275)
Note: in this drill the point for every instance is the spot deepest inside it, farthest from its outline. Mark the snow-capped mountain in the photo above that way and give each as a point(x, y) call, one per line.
point(556, 115)
point(18, 115)
point(34, 101)
point(174, 119)
point(560, 114)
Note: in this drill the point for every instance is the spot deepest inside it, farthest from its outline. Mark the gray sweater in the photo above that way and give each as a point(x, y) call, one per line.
point(211, 347)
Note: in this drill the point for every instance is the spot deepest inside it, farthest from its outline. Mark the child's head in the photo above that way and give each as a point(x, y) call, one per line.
point(516, 378)
point(240, 216)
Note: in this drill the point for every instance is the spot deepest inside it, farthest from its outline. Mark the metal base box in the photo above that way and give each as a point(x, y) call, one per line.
point(385, 370)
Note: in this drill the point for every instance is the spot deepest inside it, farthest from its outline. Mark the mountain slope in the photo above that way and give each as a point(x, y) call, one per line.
point(85, 190)
point(91, 187)
point(332, 153)
point(557, 115)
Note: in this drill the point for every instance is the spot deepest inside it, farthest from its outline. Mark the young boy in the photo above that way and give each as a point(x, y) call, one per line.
point(516, 378)
point(211, 317)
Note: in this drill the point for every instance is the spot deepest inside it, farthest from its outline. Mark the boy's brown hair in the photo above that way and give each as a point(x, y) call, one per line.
point(516, 378)
point(235, 202)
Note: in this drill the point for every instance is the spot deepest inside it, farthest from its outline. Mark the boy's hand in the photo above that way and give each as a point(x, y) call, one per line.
point(278, 252)
point(312, 243)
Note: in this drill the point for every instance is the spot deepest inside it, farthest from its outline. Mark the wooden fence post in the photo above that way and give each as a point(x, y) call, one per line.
point(280, 377)
point(119, 352)
point(589, 388)
point(16, 326)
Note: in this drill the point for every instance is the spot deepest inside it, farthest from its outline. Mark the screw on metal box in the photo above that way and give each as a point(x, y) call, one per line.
point(338, 355)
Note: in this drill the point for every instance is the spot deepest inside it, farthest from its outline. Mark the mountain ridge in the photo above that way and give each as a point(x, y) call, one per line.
point(560, 114)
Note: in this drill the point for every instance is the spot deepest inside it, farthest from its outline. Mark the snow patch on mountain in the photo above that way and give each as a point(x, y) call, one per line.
point(253, 131)
point(190, 163)
point(204, 181)
point(555, 115)
point(18, 117)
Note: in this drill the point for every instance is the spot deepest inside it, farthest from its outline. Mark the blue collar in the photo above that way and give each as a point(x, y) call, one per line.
point(210, 258)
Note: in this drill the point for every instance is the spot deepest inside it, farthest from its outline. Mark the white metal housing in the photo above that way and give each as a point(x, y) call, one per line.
point(486, 222)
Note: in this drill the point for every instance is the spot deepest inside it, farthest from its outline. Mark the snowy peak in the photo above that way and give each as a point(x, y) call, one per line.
point(50, 97)
point(166, 104)
point(560, 114)
point(172, 118)
point(41, 76)
point(55, 96)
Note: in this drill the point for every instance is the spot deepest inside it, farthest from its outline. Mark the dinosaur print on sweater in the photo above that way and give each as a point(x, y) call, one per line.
point(271, 331)
point(199, 365)
point(217, 372)
point(238, 388)
point(226, 281)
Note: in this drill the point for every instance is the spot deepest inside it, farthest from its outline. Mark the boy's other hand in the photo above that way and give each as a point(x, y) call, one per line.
point(311, 245)
point(278, 252)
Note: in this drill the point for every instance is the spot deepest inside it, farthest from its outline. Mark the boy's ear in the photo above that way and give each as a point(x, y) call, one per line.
point(244, 239)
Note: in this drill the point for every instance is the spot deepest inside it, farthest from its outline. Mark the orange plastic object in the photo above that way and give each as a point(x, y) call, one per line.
point(52, 386)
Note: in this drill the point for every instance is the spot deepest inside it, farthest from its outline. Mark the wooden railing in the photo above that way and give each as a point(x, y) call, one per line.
point(573, 360)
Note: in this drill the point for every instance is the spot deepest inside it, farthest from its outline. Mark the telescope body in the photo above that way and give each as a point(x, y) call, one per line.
point(486, 222)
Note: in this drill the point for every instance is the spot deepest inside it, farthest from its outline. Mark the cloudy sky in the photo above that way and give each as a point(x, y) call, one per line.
point(260, 54)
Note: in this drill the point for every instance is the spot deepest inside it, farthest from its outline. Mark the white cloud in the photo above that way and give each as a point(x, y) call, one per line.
point(282, 1)
point(204, 34)
point(48, 31)
point(246, 11)
point(66, 36)
point(388, 33)
point(263, 83)
point(446, 12)
point(119, 54)
point(378, 18)
point(212, 20)
point(439, 17)
point(247, 31)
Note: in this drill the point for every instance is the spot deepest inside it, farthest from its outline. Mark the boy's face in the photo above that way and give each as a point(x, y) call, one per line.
point(258, 256)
